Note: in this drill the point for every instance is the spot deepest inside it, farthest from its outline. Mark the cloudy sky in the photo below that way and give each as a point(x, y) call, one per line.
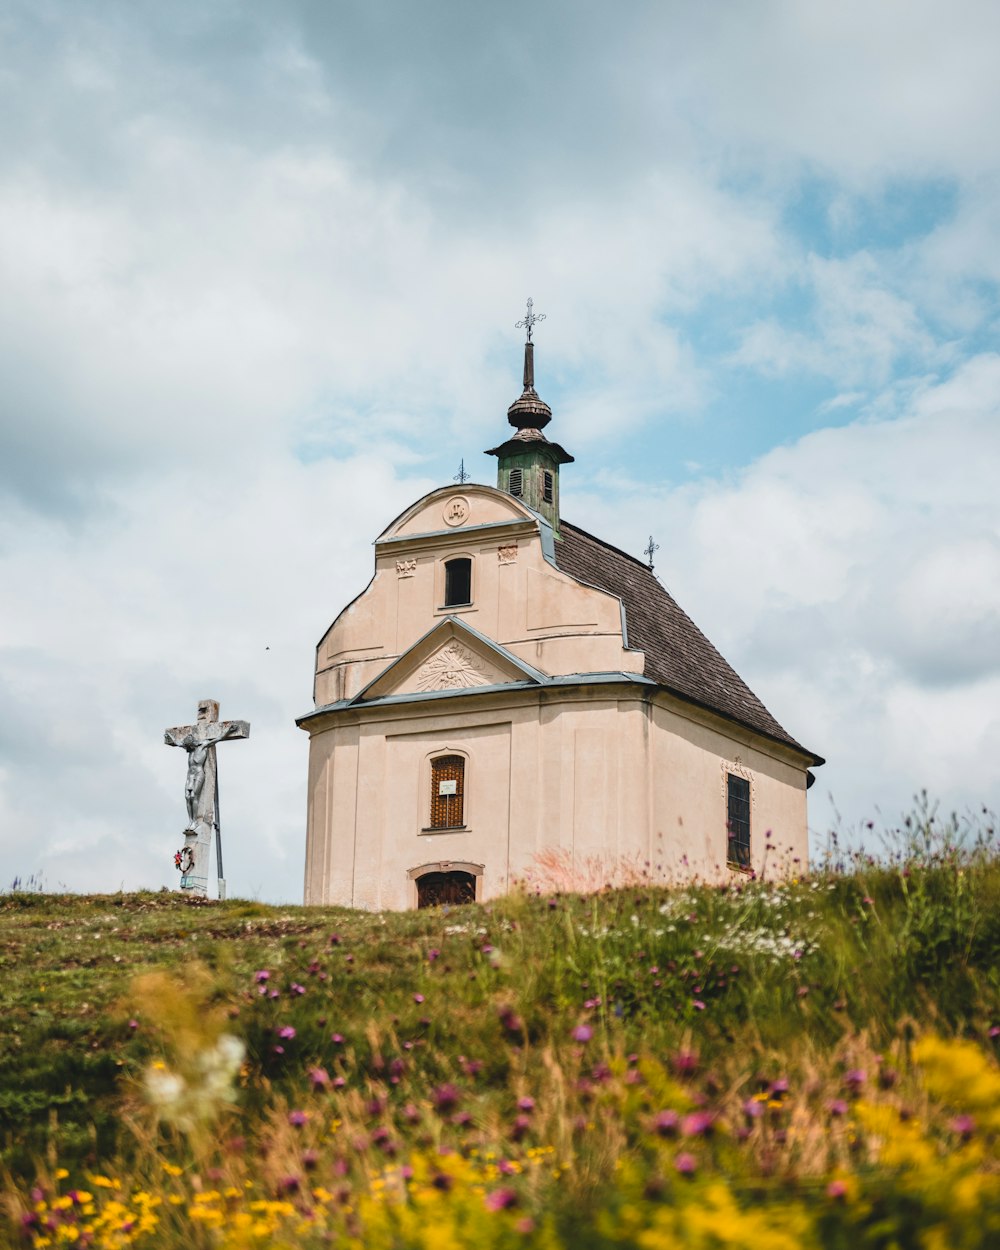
point(260, 266)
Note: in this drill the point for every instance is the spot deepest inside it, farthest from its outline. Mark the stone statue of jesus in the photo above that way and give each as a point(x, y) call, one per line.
point(198, 749)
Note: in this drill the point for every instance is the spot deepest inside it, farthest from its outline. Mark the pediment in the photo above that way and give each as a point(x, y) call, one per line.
point(452, 656)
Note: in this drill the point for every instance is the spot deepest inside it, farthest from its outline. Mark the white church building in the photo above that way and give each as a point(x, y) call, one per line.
point(508, 684)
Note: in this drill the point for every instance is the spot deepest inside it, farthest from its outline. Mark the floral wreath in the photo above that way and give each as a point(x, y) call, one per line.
point(184, 859)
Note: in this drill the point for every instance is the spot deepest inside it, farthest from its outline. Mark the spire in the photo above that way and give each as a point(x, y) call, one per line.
point(529, 412)
point(527, 463)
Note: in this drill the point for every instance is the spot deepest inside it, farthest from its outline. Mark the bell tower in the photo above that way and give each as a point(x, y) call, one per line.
point(528, 463)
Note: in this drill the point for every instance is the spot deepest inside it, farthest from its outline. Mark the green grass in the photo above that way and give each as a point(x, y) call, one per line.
point(757, 983)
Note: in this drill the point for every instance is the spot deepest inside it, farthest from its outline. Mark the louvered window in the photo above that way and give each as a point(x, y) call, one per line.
point(547, 482)
point(447, 792)
point(516, 482)
point(738, 820)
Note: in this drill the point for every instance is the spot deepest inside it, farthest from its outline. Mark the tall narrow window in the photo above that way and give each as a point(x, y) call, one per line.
point(457, 582)
point(447, 792)
point(516, 482)
point(547, 481)
point(738, 820)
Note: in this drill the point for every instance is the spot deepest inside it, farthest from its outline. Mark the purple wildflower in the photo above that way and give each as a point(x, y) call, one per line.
point(666, 1123)
point(501, 1200)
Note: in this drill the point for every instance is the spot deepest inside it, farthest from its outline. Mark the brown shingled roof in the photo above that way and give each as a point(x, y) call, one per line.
point(678, 655)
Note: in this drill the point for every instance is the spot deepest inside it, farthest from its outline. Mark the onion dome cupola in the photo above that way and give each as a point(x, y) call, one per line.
point(528, 463)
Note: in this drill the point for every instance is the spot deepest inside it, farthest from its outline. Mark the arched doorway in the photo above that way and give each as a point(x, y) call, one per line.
point(435, 889)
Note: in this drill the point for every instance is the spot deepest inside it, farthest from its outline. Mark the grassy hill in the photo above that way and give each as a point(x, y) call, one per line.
point(772, 1065)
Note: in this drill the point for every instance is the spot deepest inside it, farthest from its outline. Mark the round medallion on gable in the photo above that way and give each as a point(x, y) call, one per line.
point(456, 510)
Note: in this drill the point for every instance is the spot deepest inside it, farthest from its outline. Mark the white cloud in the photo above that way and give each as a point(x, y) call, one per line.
point(852, 579)
point(229, 239)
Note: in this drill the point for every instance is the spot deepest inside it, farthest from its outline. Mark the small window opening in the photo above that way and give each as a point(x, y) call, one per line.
point(516, 482)
point(738, 820)
point(447, 792)
point(457, 582)
point(547, 484)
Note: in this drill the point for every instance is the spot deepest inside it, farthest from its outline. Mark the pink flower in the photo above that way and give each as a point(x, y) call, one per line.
point(698, 1124)
point(666, 1123)
point(287, 1032)
point(433, 954)
point(582, 1033)
point(526, 1104)
point(319, 1077)
point(297, 989)
point(418, 998)
point(837, 1107)
point(336, 1038)
point(697, 1004)
point(446, 1098)
point(501, 1200)
point(297, 1118)
point(686, 1164)
point(262, 976)
point(836, 1189)
point(685, 1062)
point(963, 1125)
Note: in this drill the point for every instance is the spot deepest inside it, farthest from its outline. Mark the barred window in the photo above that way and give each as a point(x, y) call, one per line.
point(457, 582)
point(547, 487)
point(516, 482)
point(447, 792)
point(738, 820)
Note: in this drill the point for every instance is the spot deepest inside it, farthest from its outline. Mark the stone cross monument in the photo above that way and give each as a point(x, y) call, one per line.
point(201, 793)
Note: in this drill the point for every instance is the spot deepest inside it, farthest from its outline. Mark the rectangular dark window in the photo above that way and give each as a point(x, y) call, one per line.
point(547, 488)
point(516, 482)
point(447, 792)
point(738, 820)
point(457, 582)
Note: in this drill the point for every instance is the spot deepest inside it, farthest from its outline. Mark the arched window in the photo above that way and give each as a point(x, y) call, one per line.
point(457, 582)
point(438, 889)
point(447, 792)
point(516, 482)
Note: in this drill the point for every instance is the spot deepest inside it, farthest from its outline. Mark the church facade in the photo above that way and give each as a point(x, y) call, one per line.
point(508, 685)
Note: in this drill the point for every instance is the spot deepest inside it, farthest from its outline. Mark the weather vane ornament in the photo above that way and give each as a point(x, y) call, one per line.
point(650, 551)
point(530, 318)
point(461, 476)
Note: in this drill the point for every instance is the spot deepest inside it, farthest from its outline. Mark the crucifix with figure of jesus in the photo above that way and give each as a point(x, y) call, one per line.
point(201, 793)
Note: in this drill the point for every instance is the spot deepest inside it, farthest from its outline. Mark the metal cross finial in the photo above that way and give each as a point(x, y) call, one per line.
point(530, 319)
point(461, 475)
point(651, 550)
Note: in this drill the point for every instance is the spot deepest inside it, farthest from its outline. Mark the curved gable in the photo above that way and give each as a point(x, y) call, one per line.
point(456, 508)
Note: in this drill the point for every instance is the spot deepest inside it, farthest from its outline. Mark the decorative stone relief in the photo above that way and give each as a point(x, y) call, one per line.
point(456, 510)
point(454, 667)
point(507, 555)
point(406, 568)
point(738, 769)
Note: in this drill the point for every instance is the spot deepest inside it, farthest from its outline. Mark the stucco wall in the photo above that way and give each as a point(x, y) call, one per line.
point(607, 775)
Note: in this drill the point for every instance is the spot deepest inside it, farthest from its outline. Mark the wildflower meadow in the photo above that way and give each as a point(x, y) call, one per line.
point(810, 1062)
